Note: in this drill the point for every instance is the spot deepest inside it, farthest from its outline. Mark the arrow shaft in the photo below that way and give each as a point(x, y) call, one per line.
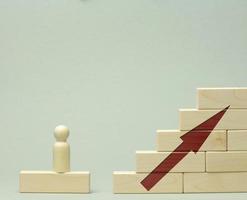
point(164, 167)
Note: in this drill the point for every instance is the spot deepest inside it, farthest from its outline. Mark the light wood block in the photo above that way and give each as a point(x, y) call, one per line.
point(129, 182)
point(168, 140)
point(146, 161)
point(237, 140)
point(232, 119)
point(218, 98)
point(215, 182)
point(52, 182)
point(229, 161)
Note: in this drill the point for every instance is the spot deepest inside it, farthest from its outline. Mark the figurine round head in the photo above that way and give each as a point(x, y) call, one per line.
point(61, 133)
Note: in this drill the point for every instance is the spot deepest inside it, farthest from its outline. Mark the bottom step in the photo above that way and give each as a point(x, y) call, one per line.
point(129, 182)
point(215, 182)
point(202, 182)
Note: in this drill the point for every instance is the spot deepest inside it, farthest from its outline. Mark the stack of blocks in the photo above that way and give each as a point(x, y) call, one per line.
point(221, 163)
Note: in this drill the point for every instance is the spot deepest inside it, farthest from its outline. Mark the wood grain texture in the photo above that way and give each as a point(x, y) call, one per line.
point(215, 182)
point(229, 161)
point(168, 140)
point(237, 140)
point(146, 161)
point(233, 119)
point(218, 98)
point(52, 182)
point(129, 182)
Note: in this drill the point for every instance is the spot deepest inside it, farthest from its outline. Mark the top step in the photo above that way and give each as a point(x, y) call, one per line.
point(218, 98)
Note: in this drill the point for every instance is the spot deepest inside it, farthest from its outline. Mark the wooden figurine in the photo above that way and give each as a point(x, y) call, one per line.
point(61, 179)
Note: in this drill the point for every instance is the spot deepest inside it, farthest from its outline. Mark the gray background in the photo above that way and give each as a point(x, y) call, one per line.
point(114, 72)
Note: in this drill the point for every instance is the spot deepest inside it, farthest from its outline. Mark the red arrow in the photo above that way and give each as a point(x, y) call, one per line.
point(192, 141)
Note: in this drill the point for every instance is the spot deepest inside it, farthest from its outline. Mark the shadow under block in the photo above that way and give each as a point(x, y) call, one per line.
point(229, 161)
point(52, 182)
point(168, 140)
point(146, 161)
point(237, 140)
point(129, 182)
point(218, 98)
point(232, 119)
point(215, 182)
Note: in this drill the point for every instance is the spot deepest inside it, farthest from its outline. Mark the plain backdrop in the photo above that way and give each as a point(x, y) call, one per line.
point(112, 71)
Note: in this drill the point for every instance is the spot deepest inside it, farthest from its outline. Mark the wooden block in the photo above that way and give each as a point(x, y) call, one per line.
point(146, 161)
point(168, 140)
point(237, 140)
point(232, 119)
point(129, 182)
point(229, 161)
point(215, 182)
point(52, 182)
point(218, 98)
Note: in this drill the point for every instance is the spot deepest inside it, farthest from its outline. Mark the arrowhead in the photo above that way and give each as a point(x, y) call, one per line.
point(194, 139)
